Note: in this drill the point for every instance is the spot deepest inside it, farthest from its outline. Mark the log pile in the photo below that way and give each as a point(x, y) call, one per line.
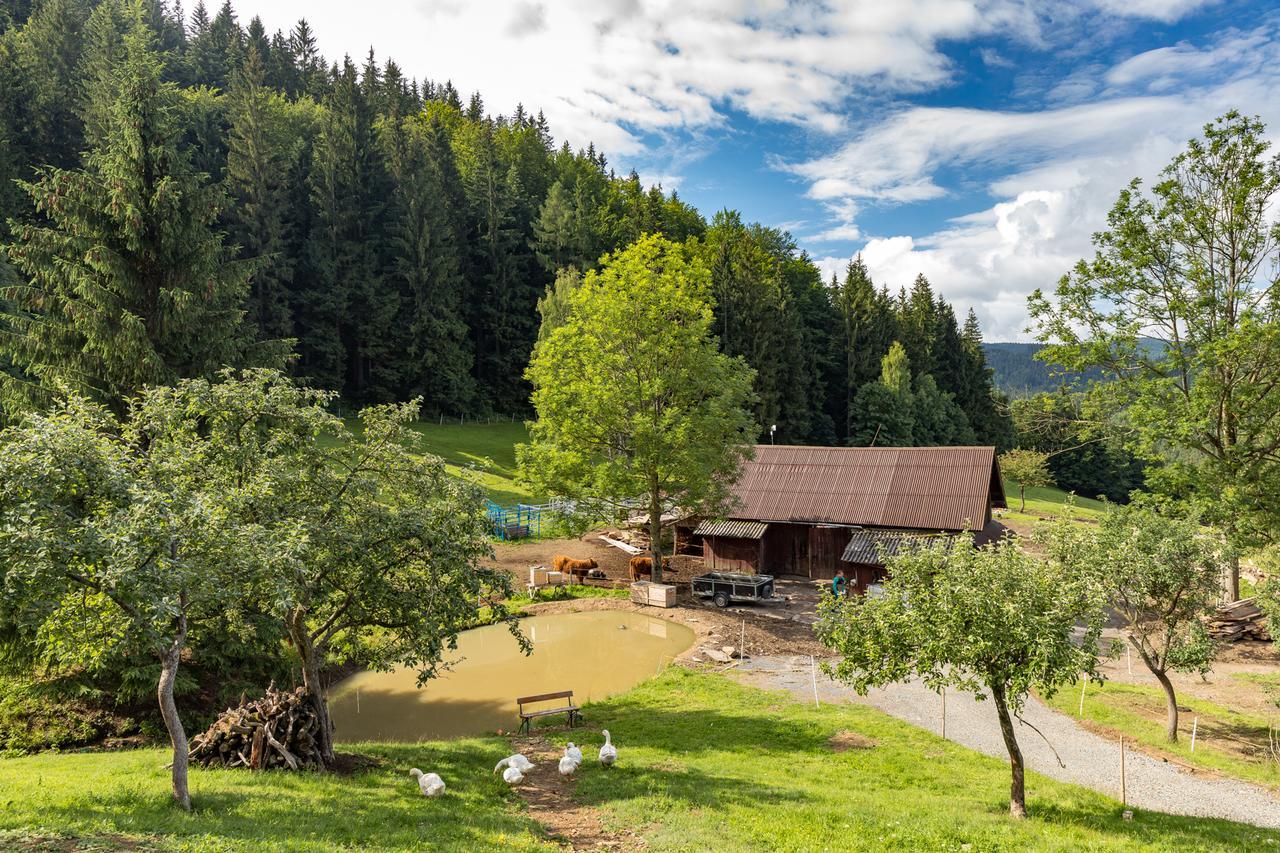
point(279, 730)
point(1238, 620)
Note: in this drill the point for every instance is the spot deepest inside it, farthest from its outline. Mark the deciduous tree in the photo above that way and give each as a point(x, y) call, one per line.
point(633, 398)
point(1029, 468)
point(993, 621)
point(1181, 307)
point(1163, 574)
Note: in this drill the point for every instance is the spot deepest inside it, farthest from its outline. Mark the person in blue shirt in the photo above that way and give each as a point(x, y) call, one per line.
point(838, 584)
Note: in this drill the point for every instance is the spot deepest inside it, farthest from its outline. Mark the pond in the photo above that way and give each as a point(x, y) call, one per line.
point(595, 654)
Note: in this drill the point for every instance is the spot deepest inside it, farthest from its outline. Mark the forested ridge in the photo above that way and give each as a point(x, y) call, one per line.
point(181, 192)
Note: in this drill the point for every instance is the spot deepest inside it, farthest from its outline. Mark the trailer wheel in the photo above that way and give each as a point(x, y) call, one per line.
point(722, 599)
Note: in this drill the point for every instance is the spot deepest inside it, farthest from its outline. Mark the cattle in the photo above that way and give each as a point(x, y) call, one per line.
point(576, 569)
point(641, 567)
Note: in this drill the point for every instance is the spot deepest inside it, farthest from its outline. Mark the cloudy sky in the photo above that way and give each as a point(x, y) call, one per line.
point(980, 142)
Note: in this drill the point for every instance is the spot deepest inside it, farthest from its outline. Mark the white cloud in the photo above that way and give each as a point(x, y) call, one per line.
point(1054, 173)
point(1167, 11)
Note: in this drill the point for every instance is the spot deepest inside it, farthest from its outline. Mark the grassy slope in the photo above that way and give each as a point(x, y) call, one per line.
point(705, 764)
point(1138, 712)
point(1048, 501)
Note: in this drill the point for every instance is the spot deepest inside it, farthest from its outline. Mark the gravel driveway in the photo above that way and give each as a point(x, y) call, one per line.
point(1090, 760)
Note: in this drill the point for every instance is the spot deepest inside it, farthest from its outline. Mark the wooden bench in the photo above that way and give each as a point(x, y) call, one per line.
point(527, 717)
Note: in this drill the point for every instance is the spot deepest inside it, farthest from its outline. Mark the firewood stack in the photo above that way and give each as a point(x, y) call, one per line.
point(279, 730)
point(1238, 620)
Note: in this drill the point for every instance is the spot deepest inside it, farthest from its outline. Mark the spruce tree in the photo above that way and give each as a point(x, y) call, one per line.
point(426, 270)
point(128, 283)
point(257, 167)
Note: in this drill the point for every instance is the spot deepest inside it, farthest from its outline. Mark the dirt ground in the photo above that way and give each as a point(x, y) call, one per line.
point(550, 795)
point(769, 630)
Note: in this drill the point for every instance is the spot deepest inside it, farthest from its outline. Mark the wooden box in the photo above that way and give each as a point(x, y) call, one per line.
point(653, 594)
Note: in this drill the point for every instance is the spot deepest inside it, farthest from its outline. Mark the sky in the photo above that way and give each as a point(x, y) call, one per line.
point(980, 142)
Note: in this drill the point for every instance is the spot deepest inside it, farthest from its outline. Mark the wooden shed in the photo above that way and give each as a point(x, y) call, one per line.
point(809, 511)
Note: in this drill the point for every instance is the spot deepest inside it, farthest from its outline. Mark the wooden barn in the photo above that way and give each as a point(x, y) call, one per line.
point(810, 511)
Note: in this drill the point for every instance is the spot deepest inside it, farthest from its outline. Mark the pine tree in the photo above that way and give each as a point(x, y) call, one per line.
point(48, 51)
point(918, 321)
point(103, 50)
point(257, 166)
point(426, 268)
point(884, 409)
point(554, 236)
point(307, 60)
point(346, 322)
point(868, 328)
point(128, 282)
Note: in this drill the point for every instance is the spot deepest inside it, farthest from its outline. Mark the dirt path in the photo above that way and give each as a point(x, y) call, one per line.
point(1086, 758)
point(550, 795)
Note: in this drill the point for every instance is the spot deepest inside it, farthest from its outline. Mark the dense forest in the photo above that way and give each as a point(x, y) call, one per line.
point(183, 192)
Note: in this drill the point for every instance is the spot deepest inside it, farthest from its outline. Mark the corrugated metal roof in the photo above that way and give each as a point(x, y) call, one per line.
point(732, 529)
point(874, 547)
point(931, 488)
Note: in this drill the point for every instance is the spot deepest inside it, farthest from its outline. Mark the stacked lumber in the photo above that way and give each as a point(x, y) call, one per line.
point(1238, 620)
point(279, 730)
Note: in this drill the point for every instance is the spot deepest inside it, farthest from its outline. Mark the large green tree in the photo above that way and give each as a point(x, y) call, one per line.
point(993, 621)
point(127, 282)
point(633, 399)
point(1181, 307)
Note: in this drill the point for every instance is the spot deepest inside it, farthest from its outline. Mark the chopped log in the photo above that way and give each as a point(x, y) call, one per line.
point(245, 736)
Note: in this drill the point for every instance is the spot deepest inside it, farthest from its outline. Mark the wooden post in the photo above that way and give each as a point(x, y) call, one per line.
point(944, 713)
point(1128, 657)
point(1083, 683)
point(813, 670)
point(1124, 792)
point(742, 644)
point(1195, 723)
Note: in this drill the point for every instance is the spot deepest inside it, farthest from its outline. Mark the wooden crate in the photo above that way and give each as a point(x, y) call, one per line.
point(653, 594)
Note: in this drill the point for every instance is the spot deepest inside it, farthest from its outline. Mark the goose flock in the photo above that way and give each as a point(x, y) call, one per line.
point(514, 767)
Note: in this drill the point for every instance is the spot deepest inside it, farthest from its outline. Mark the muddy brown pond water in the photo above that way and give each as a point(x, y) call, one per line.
point(595, 654)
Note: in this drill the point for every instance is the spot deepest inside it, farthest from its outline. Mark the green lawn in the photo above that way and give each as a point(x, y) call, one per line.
point(1137, 711)
point(704, 763)
point(1048, 501)
point(484, 453)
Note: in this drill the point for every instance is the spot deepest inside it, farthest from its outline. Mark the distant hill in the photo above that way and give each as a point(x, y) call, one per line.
point(1019, 374)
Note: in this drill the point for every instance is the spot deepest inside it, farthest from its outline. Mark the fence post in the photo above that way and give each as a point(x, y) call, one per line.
point(1083, 683)
point(1195, 723)
point(944, 713)
point(813, 670)
point(1124, 791)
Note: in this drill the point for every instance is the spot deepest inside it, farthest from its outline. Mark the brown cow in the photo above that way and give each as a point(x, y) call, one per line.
point(575, 569)
point(641, 567)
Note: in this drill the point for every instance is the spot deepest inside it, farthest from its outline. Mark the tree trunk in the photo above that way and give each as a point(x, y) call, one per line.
point(1171, 704)
point(655, 528)
point(169, 711)
point(1233, 577)
point(1017, 787)
point(1232, 580)
point(301, 638)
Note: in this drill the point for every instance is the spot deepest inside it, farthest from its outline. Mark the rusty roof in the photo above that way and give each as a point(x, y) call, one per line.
point(929, 488)
point(732, 529)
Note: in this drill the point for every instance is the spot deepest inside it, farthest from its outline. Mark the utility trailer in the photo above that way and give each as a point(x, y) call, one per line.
point(724, 587)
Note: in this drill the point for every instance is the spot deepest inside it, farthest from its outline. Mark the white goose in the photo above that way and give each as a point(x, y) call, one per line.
point(567, 765)
point(518, 761)
point(512, 776)
point(608, 752)
point(430, 783)
point(573, 752)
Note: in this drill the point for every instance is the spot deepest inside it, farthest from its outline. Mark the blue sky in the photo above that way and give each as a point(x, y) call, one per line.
point(980, 142)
